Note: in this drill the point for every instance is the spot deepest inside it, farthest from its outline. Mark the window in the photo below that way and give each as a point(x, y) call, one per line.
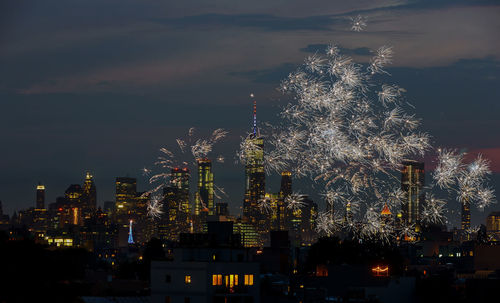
point(248, 280)
point(187, 280)
point(216, 280)
point(168, 279)
point(187, 299)
point(167, 299)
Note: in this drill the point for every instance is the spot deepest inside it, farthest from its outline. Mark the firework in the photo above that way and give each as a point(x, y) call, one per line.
point(358, 23)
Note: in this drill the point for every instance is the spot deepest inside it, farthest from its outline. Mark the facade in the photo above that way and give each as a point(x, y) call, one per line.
point(465, 215)
point(40, 196)
point(493, 226)
point(125, 199)
point(412, 183)
point(89, 196)
point(210, 267)
point(255, 180)
point(204, 200)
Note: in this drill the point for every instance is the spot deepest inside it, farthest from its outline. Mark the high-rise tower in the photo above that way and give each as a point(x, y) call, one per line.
point(465, 223)
point(89, 196)
point(254, 172)
point(412, 183)
point(40, 196)
point(204, 200)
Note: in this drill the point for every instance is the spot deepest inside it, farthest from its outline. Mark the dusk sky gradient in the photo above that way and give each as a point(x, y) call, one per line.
point(102, 85)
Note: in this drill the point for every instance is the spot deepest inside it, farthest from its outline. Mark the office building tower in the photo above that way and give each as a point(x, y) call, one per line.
point(126, 193)
point(89, 196)
point(204, 200)
point(40, 196)
point(301, 223)
point(73, 205)
point(278, 212)
point(286, 184)
point(255, 179)
point(412, 183)
point(493, 226)
point(126, 190)
point(179, 180)
point(465, 214)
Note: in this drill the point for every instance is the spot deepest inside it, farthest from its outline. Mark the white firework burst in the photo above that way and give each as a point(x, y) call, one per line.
point(358, 23)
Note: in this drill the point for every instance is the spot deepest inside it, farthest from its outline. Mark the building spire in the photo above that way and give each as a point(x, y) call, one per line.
point(254, 115)
point(130, 237)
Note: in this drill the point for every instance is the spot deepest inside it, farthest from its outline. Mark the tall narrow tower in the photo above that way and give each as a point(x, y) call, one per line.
point(40, 196)
point(465, 215)
point(255, 178)
point(412, 183)
point(89, 196)
point(130, 237)
point(204, 200)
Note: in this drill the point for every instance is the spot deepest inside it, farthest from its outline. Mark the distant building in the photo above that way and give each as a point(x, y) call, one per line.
point(493, 226)
point(40, 196)
point(89, 196)
point(412, 183)
point(125, 197)
point(204, 200)
point(255, 180)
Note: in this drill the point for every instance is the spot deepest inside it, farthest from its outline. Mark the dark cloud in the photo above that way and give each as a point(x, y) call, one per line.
point(320, 49)
point(266, 22)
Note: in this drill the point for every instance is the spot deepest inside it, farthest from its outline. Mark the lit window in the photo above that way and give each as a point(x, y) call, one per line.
point(187, 279)
point(248, 280)
point(235, 279)
point(216, 280)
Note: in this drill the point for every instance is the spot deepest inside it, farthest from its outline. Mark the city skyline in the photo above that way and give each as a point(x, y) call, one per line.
point(84, 113)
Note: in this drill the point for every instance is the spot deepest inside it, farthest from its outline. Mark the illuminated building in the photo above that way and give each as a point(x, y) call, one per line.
point(255, 179)
point(301, 223)
point(348, 212)
point(179, 179)
point(130, 236)
point(286, 184)
point(412, 183)
point(249, 236)
point(126, 194)
point(386, 215)
point(278, 211)
point(40, 196)
point(204, 200)
point(465, 214)
point(126, 189)
point(73, 206)
point(493, 226)
point(89, 196)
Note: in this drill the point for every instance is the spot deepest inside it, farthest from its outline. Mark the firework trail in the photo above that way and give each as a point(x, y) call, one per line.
point(188, 150)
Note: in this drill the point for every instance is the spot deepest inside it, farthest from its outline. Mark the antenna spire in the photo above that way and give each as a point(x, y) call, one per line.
point(254, 115)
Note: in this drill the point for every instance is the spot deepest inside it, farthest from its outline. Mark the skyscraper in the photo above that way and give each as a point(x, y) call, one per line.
point(412, 183)
point(179, 179)
point(40, 196)
point(204, 200)
point(89, 196)
point(286, 183)
point(126, 192)
point(255, 178)
point(465, 222)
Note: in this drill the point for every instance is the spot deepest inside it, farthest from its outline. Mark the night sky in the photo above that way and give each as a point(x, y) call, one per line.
point(102, 85)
